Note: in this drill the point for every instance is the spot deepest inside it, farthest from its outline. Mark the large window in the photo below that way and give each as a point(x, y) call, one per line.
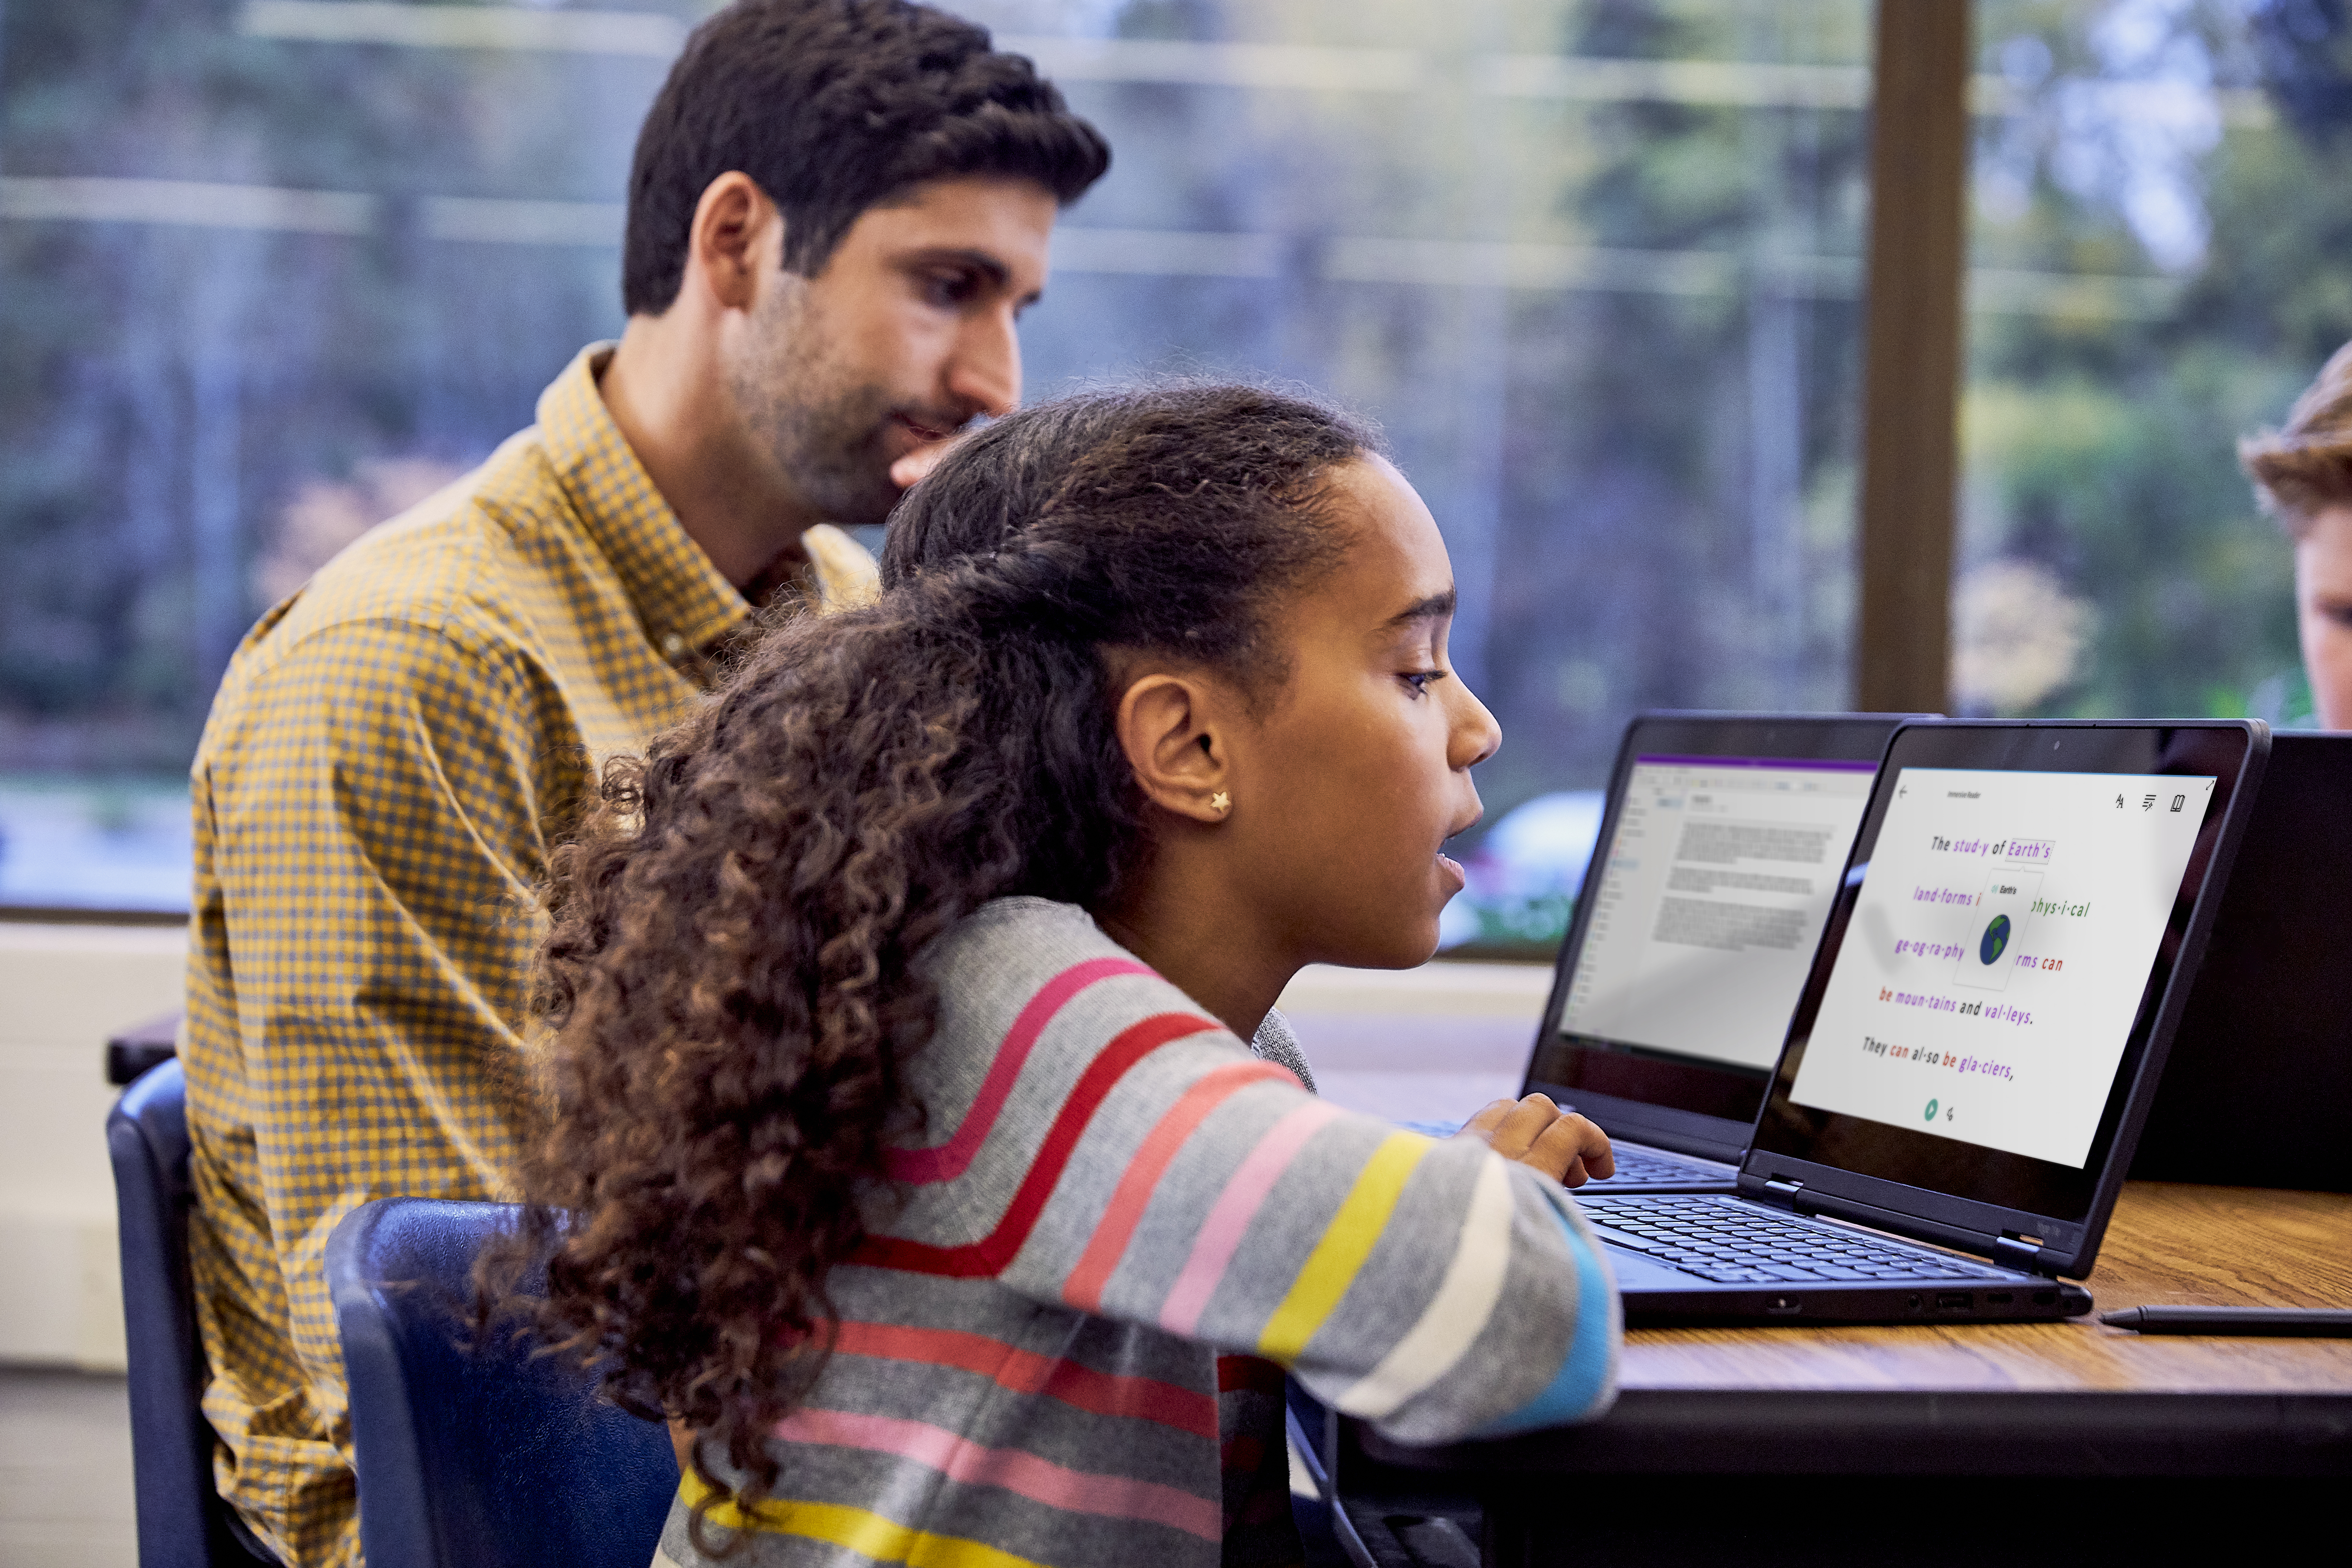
point(279, 267)
point(2159, 264)
point(270, 269)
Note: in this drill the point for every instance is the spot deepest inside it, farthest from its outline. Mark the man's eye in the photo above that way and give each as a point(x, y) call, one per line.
point(949, 288)
point(1421, 679)
point(2340, 614)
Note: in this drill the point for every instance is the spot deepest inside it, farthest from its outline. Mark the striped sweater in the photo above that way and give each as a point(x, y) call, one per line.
point(1110, 1191)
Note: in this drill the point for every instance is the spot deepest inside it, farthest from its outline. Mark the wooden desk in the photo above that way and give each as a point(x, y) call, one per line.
point(2072, 1399)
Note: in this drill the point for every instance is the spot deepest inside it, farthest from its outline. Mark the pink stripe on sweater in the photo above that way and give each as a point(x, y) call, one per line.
point(1084, 1288)
point(1009, 1469)
point(1244, 1193)
point(946, 1161)
point(1025, 1371)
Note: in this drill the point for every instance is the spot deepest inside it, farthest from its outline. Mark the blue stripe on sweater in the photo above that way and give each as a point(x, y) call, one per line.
point(1584, 1374)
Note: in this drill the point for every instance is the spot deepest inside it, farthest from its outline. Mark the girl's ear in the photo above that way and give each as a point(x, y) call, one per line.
point(1172, 728)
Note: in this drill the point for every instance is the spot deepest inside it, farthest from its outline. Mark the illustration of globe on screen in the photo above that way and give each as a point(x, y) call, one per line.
point(1996, 938)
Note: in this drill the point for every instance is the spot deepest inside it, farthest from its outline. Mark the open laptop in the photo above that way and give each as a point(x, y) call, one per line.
point(1718, 855)
point(2259, 1086)
point(1979, 1038)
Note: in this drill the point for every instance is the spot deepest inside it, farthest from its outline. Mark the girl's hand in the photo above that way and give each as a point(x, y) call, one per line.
point(909, 470)
point(1534, 1131)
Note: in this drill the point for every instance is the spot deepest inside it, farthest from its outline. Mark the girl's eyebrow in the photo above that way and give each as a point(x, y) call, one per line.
point(1436, 607)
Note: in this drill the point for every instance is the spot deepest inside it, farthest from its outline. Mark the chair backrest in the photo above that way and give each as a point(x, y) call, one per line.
point(182, 1524)
point(483, 1455)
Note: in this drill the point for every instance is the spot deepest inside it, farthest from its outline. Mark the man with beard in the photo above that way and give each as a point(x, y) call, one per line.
point(837, 210)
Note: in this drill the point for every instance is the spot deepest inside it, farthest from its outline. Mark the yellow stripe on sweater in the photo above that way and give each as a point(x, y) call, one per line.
point(1347, 1241)
point(858, 1530)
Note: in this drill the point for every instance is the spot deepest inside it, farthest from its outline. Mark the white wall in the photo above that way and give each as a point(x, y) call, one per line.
point(63, 990)
point(1430, 1044)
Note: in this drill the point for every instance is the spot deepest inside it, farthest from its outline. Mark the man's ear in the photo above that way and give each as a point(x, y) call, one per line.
point(1172, 728)
point(724, 242)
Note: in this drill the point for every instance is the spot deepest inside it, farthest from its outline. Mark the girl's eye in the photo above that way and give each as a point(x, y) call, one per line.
point(1421, 679)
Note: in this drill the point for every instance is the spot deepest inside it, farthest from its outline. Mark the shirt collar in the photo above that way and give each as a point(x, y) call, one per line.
point(686, 603)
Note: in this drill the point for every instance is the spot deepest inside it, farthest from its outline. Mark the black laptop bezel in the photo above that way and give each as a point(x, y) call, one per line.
point(1798, 737)
point(2057, 1237)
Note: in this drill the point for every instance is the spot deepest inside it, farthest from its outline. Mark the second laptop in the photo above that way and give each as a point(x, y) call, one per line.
point(1717, 864)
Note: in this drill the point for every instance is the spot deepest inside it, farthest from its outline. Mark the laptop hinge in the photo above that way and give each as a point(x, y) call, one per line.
point(2016, 1252)
point(1781, 1192)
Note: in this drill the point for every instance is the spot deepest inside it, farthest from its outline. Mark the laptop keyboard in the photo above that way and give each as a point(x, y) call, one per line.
point(1733, 1242)
point(1646, 1165)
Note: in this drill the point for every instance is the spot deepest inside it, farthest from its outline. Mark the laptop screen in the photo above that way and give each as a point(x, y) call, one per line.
point(1710, 901)
point(1718, 864)
point(1992, 974)
point(1998, 951)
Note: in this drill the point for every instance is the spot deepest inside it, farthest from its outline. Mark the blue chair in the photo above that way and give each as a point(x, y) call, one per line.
point(489, 1456)
point(182, 1524)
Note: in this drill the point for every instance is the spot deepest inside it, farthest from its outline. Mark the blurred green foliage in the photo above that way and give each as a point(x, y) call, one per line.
point(173, 386)
point(1648, 486)
point(2103, 447)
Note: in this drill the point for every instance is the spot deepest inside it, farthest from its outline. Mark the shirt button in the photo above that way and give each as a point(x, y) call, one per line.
point(672, 644)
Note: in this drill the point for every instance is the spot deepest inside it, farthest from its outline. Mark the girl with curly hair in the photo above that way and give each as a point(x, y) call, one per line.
point(925, 1145)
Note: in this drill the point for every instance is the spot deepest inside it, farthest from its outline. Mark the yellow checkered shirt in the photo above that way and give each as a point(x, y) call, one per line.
point(392, 754)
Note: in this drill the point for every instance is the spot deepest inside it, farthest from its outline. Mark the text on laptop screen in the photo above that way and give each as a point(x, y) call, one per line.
point(1711, 901)
point(1999, 946)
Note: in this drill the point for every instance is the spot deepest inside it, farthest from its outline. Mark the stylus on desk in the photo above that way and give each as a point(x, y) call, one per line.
point(2303, 1322)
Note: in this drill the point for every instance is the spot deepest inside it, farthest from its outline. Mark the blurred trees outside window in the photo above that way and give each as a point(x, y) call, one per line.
point(2159, 265)
point(270, 272)
point(272, 269)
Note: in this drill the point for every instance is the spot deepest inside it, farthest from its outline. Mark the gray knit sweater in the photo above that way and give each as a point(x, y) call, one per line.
point(1063, 1341)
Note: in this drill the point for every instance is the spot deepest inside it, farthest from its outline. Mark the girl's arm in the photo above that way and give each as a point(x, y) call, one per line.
point(1132, 1159)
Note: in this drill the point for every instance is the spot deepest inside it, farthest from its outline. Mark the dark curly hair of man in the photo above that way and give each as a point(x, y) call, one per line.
point(733, 975)
point(833, 107)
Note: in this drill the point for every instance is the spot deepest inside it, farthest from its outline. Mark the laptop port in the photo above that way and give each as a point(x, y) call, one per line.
point(1785, 1305)
point(1955, 1300)
point(1998, 1299)
point(1917, 1303)
point(2046, 1297)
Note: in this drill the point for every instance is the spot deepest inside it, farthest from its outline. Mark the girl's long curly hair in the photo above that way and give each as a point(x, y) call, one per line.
point(729, 976)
